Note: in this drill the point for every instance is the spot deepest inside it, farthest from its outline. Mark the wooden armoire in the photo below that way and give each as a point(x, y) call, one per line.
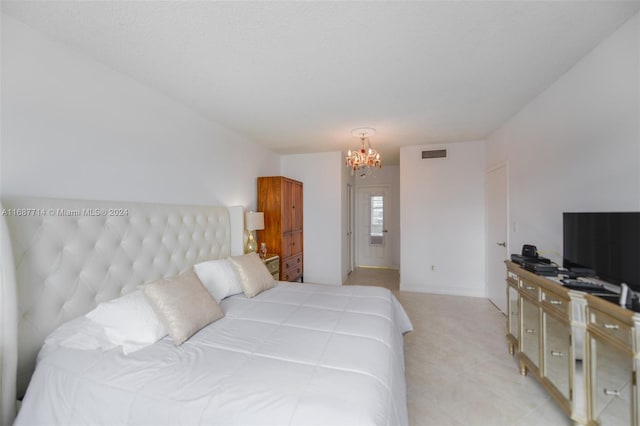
point(280, 199)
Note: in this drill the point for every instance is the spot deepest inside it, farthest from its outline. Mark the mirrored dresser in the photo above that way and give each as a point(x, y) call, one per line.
point(583, 349)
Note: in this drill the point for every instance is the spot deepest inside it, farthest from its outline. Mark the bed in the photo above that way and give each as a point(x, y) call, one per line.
point(292, 354)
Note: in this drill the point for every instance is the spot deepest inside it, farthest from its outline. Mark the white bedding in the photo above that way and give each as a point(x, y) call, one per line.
point(298, 354)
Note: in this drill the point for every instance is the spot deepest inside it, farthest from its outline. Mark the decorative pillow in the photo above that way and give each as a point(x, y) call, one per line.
point(252, 273)
point(219, 278)
point(129, 321)
point(183, 305)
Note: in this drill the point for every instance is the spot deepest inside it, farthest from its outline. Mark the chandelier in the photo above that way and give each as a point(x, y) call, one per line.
point(366, 159)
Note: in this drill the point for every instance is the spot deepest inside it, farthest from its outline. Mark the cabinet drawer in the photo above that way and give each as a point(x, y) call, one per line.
point(292, 262)
point(611, 326)
point(292, 268)
point(529, 288)
point(556, 302)
point(292, 274)
point(272, 265)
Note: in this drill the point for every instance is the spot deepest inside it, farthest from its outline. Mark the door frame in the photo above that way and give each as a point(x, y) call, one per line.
point(356, 224)
point(505, 165)
point(350, 227)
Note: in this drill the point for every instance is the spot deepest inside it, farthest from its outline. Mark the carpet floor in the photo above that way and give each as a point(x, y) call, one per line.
point(458, 367)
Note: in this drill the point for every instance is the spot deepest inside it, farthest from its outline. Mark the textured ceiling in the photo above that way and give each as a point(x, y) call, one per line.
point(298, 76)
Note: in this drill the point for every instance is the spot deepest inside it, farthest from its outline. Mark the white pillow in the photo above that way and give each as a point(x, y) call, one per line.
point(252, 273)
point(219, 278)
point(79, 333)
point(183, 305)
point(129, 321)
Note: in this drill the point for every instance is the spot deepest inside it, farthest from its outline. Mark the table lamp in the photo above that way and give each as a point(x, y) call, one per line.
point(253, 221)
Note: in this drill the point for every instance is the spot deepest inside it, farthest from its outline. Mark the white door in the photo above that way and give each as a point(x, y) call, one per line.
point(497, 226)
point(350, 220)
point(372, 233)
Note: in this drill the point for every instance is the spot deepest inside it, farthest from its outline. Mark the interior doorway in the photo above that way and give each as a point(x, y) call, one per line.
point(497, 235)
point(372, 230)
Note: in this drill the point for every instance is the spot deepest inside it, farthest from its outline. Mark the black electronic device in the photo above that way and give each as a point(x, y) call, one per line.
point(520, 259)
point(606, 245)
point(582, 272)
point(585, 286)
point(540, 268)
point(529, 250)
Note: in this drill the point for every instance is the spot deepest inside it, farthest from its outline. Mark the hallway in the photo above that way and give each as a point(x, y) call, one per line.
point(380, 277)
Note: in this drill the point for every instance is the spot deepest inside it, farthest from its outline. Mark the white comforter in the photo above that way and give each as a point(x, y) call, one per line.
point(298, 354)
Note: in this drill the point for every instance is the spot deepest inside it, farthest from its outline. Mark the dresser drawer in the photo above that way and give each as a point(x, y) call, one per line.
point(291, 268)
point(529, 288)
point(272, 265)
point(292, 274)
point(555, 301)
point(611, 326)
point(292, 262)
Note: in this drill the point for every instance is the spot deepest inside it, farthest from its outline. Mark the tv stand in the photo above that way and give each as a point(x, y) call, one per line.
point(584, 350)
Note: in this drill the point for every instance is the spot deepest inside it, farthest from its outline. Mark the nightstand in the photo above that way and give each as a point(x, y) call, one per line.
point(272, 262)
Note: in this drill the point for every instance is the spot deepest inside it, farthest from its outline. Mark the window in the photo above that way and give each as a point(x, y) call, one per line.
point(376, 229)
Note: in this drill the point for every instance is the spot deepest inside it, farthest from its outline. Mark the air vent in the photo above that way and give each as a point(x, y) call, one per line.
point(435, 153)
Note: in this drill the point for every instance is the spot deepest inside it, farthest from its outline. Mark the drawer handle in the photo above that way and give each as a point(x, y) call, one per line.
point(611, 326)
point(298, 260)
point(611, 392)
point(555, 302)
point(528, 287)
point(287, 266)
point(530, 330)
point(556, 353)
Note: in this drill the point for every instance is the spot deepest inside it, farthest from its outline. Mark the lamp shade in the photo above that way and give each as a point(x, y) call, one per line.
point(254, 220)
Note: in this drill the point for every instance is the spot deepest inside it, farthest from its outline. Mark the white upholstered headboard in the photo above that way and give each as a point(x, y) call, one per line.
point(70, 255)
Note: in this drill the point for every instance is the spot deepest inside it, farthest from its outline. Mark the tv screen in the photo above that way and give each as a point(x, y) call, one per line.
point(606, 243)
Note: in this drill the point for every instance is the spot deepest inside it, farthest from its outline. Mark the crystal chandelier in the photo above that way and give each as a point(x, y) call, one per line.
point(366, 159)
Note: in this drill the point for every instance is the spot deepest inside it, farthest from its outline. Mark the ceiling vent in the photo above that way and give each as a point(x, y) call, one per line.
point(434, 153)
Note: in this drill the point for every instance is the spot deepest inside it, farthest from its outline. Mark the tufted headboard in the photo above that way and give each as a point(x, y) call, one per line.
point(70, 255)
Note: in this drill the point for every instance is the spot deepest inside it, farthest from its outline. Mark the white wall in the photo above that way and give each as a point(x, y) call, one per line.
point(389, 176)
point(442, 220)
point(74, 128)
point(576, 147)
point(321, 175)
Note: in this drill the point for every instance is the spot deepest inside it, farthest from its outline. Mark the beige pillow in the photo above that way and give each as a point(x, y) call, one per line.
point(253, 274)
point(183, 305)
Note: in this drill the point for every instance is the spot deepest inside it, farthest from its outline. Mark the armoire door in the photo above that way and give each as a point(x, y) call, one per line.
point(287, 206)
point(296, 203)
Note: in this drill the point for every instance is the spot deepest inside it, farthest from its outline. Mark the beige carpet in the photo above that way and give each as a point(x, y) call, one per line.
point(458, 368)
point(388, 278)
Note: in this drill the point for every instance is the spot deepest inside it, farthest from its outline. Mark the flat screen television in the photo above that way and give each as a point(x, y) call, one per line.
point(606, 243)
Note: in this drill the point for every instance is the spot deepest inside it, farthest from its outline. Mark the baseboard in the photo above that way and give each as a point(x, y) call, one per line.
point(450, 290)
